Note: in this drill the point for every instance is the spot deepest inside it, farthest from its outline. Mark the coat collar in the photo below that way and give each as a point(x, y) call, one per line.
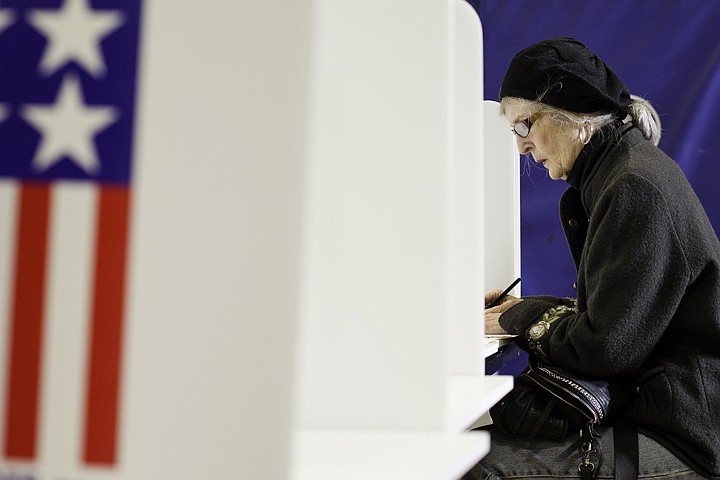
point(594, 152)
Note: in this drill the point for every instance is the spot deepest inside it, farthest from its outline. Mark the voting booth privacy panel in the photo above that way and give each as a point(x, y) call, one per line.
point(241, 240)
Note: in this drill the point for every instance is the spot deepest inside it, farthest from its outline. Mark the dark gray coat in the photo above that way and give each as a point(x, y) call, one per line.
point(648, 293)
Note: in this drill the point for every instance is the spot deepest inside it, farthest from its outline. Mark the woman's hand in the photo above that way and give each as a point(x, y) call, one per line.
point(492, 315)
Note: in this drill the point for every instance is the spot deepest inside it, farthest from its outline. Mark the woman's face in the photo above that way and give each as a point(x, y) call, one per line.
point(553, 145)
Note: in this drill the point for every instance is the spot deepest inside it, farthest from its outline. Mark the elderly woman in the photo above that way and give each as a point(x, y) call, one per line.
point(648, 271)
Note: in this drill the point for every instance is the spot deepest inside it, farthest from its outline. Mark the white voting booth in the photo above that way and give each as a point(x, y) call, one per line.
point(390, 371)
point(320, 199)
point(502, 202)
point(390, 354)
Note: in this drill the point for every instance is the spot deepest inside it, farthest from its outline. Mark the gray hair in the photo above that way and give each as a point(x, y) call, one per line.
point(646, 118)
point(641, 112)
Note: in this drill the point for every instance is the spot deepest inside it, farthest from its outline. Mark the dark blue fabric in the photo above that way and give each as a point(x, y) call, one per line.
point(665, 51)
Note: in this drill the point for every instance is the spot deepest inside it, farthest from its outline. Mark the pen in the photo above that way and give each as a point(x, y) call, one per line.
point(505, 292)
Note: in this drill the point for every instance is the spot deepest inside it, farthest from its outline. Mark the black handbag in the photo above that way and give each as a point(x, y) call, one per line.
point(582, 398)
point(552, 402)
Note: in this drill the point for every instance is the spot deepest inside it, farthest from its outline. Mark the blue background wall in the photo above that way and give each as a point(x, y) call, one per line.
point(665, 51)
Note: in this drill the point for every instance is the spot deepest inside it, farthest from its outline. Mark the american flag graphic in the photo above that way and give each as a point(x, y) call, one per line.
point(67, 101)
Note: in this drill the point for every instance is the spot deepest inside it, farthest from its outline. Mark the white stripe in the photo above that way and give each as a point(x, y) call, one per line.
point(8, 206)
point(69, 292)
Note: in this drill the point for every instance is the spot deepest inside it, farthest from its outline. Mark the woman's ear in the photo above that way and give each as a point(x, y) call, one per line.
point(585, 133)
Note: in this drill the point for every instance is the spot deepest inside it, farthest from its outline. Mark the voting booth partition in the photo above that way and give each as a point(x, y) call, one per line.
point(319, 199)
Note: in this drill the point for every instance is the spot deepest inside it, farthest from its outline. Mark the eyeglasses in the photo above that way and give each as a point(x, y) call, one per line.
point(522, 129)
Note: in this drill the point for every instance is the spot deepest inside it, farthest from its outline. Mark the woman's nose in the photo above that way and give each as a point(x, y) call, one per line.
point(524, 146)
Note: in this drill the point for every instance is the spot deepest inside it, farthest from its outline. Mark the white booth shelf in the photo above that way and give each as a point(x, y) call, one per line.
point(469, 397)
point(362, 455)
point(417, 455)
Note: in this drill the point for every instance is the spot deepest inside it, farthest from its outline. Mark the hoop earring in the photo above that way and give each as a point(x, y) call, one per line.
point(584, 133)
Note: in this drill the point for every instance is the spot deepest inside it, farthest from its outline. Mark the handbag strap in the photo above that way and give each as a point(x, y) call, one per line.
point(592, 452)
point(625, 437)
point(543, 417)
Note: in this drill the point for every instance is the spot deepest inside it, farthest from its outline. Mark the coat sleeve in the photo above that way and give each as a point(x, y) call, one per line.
point(633, 274)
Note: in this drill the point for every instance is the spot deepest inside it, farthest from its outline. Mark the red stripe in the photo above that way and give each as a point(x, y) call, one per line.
point(103, 388)
point(23, 399)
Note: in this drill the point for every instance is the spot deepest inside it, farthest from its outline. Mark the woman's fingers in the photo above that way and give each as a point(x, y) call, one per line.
point(492, 324)
point(492, 296)
point(492, 315)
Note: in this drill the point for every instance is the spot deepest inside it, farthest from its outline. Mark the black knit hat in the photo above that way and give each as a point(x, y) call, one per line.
point(564, 73)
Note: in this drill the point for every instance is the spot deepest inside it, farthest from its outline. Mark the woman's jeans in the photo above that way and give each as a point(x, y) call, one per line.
point(519, 458)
